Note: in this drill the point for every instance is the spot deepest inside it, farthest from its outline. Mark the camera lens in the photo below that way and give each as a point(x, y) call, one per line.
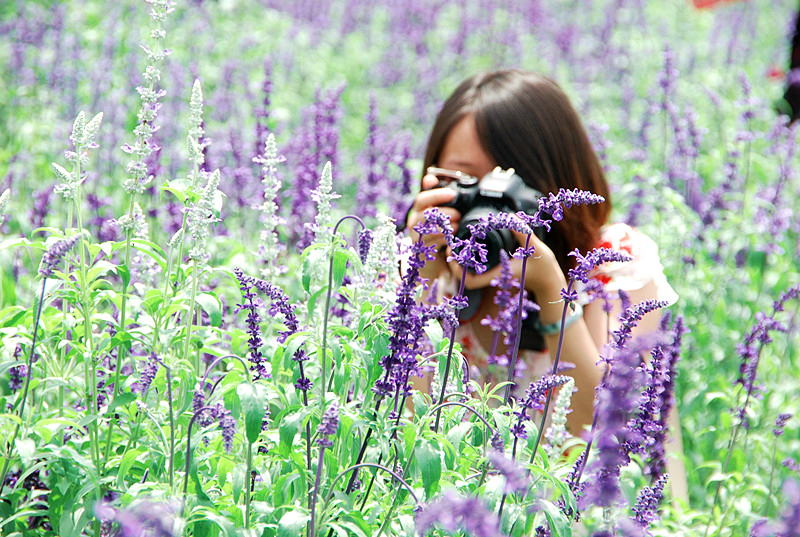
point(494, 241)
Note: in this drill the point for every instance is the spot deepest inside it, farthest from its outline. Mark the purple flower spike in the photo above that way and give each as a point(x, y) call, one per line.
point(780, 423)
point(328, 425)
point(633, 315)
point(598, 256)
point(789, 523)
point(364, 242)
point(452, 512)
point(148, 374)
point(53, 256)
point(142, 518)
point(646, 509)
point(517, 480)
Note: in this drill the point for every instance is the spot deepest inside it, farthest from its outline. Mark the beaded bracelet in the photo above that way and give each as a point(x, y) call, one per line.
point(555, 328)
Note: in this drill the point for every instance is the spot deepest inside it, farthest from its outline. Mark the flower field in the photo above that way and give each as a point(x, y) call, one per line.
point(209, 324)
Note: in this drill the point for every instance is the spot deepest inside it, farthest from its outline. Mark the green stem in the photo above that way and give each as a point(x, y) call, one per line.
point(249, 485)
point(189, 316)
point(27, 384)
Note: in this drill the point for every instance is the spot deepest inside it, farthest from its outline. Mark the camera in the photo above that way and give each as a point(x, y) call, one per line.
point(498, 191)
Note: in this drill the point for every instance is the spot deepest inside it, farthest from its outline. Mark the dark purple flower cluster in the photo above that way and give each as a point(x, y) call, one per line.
point(142, 518)
point(53, 256)
point(554, 204)
point(452, 512)
point(279, 304)
point(468, 253)
point(17, 373)
point(148, 373)
point(328, 425)
point(364, 242)
point(506, 319)
point(646, 509)
point(406, 321)
point(534, 400)
point(254, 340)
point(205, 416)
point(517, 480)
point(585, 264)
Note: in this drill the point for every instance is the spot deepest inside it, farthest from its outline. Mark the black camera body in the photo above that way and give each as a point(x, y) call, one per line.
point(498, 191)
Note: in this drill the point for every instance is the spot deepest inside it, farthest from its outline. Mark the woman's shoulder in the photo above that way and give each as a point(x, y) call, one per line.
point(643, 268)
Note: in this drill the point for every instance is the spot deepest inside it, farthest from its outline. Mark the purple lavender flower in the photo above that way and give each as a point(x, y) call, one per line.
point(148, 374)
point(452, 512)
point(791, 464)
point(585, 264)
point(517, 480)
point(364, 242)
point(53, 256)
point(633, 315)
point(328, 425)
point(780, 423)
point(616, 399)
point(534, 400)
point(228, 426)
point(142, 518)
point(646, 509)
point(788, 525)
point(254, 340)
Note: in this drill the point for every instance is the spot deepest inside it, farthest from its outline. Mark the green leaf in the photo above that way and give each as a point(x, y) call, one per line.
point(211, 305)
point(430, 466)
point(254, 406)
point(239, 476)
point(339, 266)
point(122, 400)
point(292, 523)
point(559, 524)
point(125, 274)
point(289, 426)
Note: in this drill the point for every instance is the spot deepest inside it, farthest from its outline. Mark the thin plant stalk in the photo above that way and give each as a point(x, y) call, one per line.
point(513, 362)
point(27, 384)
point(189, 316)
point(443, 380)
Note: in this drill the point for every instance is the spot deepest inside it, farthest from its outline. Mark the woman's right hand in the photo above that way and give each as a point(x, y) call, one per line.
point(430, 196)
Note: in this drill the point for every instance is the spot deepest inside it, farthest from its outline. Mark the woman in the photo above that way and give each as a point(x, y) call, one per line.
point(521, 120)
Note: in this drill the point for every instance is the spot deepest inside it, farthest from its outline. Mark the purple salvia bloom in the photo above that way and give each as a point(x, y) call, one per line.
point(616, 399)
point(254, 341)
point(228, 426)
point(364, 242)
point(791, 464)
point(497, 442)
point(53, 256)
point(17, 373)
point(328, 425)
point(452, 512)
point(142, 518)
point(631, 316)
point(517, 480)
point(646, 509)
point(468, 252)
point(534, 400)
point(585, 264)
point(788, 525)
point(780, 424)
point(148, 374)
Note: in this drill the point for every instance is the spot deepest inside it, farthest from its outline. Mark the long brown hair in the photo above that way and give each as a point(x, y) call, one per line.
point(525, 121)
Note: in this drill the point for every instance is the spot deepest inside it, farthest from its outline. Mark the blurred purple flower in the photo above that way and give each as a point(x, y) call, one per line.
point(142, 518)
point(53, 256)
point(328, 425)
point(788, 525)
point(517, 479)
point(780, 424)
point(148, 373)
point(453, 512)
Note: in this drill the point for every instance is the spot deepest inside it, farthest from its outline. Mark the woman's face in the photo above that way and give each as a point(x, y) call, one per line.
point(463, 152)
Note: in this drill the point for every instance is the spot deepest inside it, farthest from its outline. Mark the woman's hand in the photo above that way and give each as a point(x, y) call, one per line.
point(543, 275)
point(430, 196)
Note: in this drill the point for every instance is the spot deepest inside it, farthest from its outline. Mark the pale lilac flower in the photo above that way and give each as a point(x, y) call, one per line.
point(517, 480)
point(328, 425)
point(142, 518)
